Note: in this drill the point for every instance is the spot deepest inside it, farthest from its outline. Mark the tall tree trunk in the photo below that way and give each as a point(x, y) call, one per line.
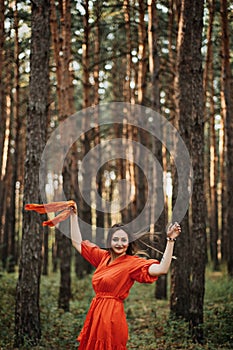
point(127, 167)
point(2, 111)
point(7, 171)
point(97, 140)
point(180, 277)
point(222, 176)
point(206, 90)
point(213, 177)
point(62, 48)
point(27, 314)
point(2, 115)
point(198, 236)
point(172, 37)
point(84, 209)
point(210, 159)
point(126, 88)
point(142, 53)
point(15, 132)
point(227, 86)
point(154, 65)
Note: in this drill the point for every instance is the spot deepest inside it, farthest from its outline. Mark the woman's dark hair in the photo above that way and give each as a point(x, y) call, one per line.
point(137, 242)
point(132, 248)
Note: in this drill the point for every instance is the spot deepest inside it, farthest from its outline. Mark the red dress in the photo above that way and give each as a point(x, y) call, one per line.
point(105, 327)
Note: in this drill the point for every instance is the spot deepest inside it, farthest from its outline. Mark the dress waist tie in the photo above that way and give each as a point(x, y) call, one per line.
point(108, 297)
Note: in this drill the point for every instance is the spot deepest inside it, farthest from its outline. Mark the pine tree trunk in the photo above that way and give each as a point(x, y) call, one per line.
point(180, 276)
point(198, 236)
point(223, 139)
point(27, 316)
point(187, 291)
point(210, 158)
point(154, 65)
point(206, 83)
point(222, 175)
point(213, 177)
point(127, 167)
point(97, 140)
point(45, 253)
point(227, 86)
point(5, 224)
point(62, 49)
point(15, 132)
point(142, 54)
point(2, 109)
point(84, 207)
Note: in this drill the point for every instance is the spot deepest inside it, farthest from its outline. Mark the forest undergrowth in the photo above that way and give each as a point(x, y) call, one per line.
point(150, 326)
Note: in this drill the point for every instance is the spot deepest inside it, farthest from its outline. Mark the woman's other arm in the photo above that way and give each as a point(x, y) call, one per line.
point(76, 236)
point(163, 267)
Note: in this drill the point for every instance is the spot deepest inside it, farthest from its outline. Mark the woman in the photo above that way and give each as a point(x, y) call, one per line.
point(117, 269)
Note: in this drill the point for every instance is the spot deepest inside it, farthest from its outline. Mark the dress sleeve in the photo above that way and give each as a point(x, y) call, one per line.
point(92, 253)
point(139, 270)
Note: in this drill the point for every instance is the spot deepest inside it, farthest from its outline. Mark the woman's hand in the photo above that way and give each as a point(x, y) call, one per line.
point(173, 230)
point(74, 209)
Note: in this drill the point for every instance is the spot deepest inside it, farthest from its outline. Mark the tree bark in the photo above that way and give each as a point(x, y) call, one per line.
point(62, 49)
point(154, 66)
point(2, 111)
point(27, 314)
point(16, 127)
point(227, 87)
point(180, 274)
point(198, 236)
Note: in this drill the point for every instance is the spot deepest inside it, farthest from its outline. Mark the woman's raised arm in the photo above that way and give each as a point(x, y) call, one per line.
point(76, 236)
point(163, 267)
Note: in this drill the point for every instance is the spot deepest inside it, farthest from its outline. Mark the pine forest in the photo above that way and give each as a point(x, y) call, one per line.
point(126, 108)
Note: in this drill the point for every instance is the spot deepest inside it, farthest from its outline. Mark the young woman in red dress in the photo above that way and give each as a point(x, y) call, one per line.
point(117, 269)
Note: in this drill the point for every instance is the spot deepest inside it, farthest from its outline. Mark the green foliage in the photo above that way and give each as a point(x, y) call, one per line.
point(150, 326)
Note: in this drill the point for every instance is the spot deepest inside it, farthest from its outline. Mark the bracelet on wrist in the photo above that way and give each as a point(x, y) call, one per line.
point(171, 239)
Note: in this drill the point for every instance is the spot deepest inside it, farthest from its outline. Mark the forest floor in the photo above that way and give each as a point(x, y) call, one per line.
point(150, 326)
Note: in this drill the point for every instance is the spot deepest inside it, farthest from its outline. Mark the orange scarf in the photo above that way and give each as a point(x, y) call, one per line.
point(64, 207)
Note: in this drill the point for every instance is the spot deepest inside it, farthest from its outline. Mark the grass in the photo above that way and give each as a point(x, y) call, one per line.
point(150, 327)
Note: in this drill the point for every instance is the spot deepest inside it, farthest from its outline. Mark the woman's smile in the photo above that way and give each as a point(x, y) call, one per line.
point(119, 242)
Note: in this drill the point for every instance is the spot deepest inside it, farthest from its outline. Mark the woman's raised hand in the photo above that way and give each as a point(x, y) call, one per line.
point(74, 208)
point(173, 230)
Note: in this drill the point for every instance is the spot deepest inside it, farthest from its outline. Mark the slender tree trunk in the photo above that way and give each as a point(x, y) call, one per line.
point(172, 37)
point(213, 177)
point(210, 158)
point(222, 176)
point(62, 48)
point(227, 86)
point(2, 111)
point(198, 236)
point(15, 132)
point(7, 172)
point(124, 164)
point(97, 140)
point(27, 314)
point(127, 90)
point(84, 209)
point(142, 53)
point(222, 150)
point(180, 277)
point(2, 116)
point(45, 252)
point(154, 65)
point(206, 90)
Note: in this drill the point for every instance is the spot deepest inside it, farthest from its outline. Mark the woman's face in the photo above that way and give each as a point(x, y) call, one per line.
point(119, 242)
